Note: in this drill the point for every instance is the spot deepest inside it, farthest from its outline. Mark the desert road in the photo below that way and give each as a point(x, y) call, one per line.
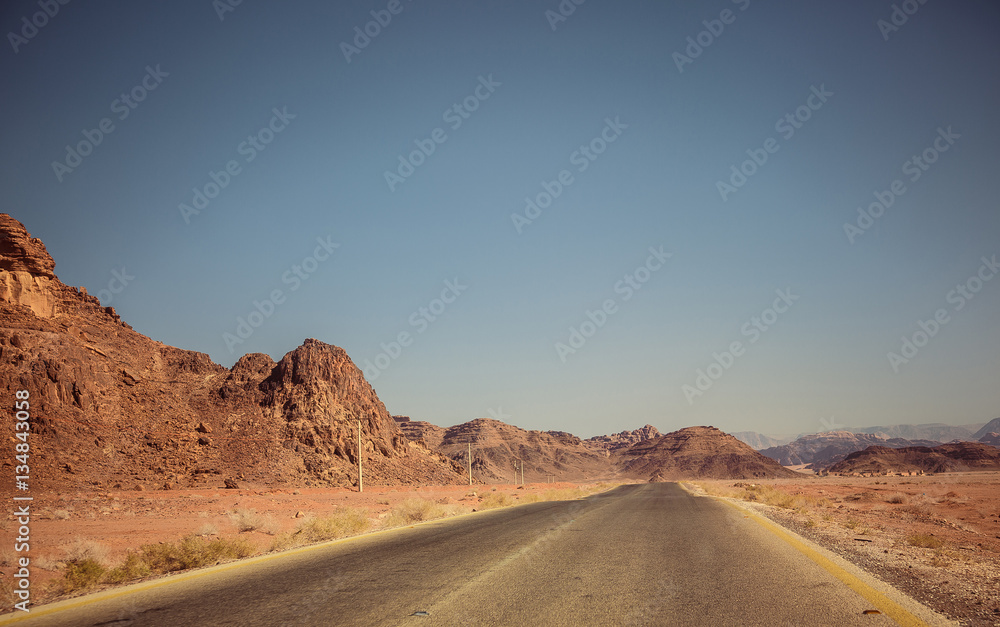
point(649, 554)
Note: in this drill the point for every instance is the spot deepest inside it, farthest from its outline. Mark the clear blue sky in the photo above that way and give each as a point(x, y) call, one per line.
point(539, 93)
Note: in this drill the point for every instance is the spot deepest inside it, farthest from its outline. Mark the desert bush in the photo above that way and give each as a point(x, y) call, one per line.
point(208, 529)
point(924, 540)
point(82, 550)
point(343, 522)
point(529, 498)
point(82, 574)
point(416, 510)
point(60, 514)
point(134, 567)
point(494, 500)
point(896, 499)
point(192, 552)
point(250, 520)
point(851, 523)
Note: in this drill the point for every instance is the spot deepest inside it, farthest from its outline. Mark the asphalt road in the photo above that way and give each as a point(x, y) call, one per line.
point(638, 555)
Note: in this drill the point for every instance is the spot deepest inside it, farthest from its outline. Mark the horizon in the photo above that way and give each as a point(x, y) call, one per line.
point(584, 221)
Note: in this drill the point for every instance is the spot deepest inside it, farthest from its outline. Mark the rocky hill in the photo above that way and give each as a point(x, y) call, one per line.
point(952, 457)
point(623, 439)
point(112, 408)
point(992, 439)
point(497, 447)
point(992, 426)
point(823, 449)
point(697, 452)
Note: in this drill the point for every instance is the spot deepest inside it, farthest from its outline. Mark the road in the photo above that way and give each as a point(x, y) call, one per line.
point(649, 554)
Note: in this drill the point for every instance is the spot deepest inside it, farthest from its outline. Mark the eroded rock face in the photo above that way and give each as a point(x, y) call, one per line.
point(19, 252)
point(123, 410)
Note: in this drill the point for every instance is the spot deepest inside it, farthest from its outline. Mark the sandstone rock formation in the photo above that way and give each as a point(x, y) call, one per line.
point(951, 457)
point(623, 439)
point(111, 407)
point(695, 452)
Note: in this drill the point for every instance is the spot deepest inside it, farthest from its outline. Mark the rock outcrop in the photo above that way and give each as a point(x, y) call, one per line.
point(122, 410)
point(622, 439)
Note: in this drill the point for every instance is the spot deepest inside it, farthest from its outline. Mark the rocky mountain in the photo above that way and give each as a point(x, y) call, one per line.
point(937, 432)
point(623, 439)
point(992, 439)
point(992, 426)
point(697, 452)
point(952, 457)
point(758, 441)
point(822, 449)
point(112, 408)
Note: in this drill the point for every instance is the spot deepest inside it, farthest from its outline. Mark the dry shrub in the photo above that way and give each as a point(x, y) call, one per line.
point(82, 550)
point(250, 520)
point(192, 552)
point(896, 499)
point(494, 500)
point(345, 521)
point(416, 510)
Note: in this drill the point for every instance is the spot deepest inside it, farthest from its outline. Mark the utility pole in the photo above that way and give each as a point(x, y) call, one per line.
point(522, 472)
point(470, 463)
point(361, 481)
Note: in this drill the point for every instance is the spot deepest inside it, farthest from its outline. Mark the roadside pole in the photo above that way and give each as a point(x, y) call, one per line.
point(470, 463)
point(361, 481)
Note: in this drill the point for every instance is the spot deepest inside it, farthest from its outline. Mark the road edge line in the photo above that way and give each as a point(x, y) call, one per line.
point(816, 553)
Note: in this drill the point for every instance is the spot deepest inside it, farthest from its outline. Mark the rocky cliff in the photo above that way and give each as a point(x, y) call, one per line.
point(113, 408)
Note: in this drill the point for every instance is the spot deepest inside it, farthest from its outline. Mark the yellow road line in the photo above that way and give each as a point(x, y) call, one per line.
point(881, 602)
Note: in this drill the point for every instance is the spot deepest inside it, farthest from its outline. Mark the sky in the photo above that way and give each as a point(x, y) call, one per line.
point(578, 216)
